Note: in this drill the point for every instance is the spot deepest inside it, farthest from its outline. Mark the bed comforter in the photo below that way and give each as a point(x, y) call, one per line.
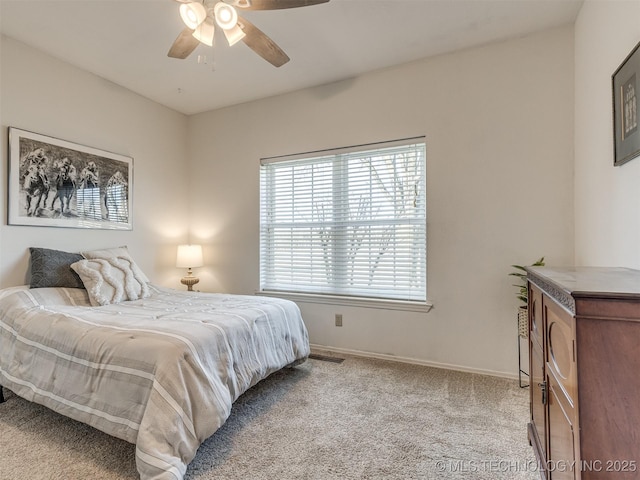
point(161, 372)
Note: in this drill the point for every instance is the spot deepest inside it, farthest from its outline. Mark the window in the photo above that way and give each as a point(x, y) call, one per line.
point(349, 222)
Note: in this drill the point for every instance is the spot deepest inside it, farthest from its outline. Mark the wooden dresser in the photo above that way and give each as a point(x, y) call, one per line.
point(584, 359)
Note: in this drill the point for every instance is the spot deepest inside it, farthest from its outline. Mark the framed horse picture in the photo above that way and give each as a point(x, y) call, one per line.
point(56, 183)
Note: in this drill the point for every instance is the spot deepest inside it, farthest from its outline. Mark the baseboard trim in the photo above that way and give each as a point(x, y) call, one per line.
point(414, 361)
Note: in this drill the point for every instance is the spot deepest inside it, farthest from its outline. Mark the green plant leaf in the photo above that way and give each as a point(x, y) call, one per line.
point(523, 292)
point(520, 275)
point(539, 263)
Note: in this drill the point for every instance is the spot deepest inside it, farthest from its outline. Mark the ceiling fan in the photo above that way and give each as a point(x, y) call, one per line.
point(201, 18)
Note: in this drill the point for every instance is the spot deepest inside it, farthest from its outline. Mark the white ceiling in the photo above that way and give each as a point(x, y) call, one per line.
point(126, 41)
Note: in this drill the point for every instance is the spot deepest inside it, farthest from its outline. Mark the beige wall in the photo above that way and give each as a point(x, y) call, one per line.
point(607, 198)
point(498, 122)
point(45, 95)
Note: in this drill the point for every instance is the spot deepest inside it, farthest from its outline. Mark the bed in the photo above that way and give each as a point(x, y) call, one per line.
point(160, 371)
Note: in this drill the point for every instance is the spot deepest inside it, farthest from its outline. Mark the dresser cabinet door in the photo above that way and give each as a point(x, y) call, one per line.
point(561, 456)
point(560, 348)
point(538, 400)
point(535, 310)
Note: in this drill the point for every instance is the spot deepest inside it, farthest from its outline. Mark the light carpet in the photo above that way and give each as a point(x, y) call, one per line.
point(360, 419)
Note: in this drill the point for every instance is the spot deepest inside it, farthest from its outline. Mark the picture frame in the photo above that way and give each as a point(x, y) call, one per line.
point(58, 183)
point(626, 108)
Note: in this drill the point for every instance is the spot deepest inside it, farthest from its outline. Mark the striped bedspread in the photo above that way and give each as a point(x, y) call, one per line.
point(160, 373)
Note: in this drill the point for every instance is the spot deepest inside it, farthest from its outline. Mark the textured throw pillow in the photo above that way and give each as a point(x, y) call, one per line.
point(111, 280)
point(118, 252)
point(52, 268)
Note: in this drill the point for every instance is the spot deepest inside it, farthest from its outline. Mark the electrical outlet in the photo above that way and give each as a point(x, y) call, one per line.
point(338, 319)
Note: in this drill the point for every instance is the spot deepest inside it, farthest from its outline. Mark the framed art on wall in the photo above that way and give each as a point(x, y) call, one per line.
point(56, 183)
point(626, 95)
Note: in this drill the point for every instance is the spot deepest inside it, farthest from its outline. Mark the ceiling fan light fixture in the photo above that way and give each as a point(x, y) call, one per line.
point(242, 3)
point(193, 14)
point(234, 35)
point(226, 16)
point(205, 33)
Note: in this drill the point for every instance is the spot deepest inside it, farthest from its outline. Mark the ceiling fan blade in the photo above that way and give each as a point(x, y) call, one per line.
point(184, 44)
point(274, 4)
point(257, 41)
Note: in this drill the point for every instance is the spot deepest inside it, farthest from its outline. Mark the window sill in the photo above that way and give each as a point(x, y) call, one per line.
point(351, 301)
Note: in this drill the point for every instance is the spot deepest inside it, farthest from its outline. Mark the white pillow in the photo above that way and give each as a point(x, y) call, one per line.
point(110, 280)
point(118, 252)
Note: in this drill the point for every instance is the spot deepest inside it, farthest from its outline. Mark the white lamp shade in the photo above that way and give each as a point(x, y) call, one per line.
point(234, 35)
point(204, 33)
point(189, 256)
point(193, 14)
point(226, 15)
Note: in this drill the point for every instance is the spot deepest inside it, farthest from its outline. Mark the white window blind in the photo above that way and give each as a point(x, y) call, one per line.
point(346, 222)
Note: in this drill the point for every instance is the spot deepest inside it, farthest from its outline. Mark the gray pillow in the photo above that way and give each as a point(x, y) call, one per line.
point(52, 268)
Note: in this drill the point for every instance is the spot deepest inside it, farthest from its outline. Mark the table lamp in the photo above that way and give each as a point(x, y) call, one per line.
point(189, 256)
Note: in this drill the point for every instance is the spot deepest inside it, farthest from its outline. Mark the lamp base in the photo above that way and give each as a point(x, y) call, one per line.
point(189, 281)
